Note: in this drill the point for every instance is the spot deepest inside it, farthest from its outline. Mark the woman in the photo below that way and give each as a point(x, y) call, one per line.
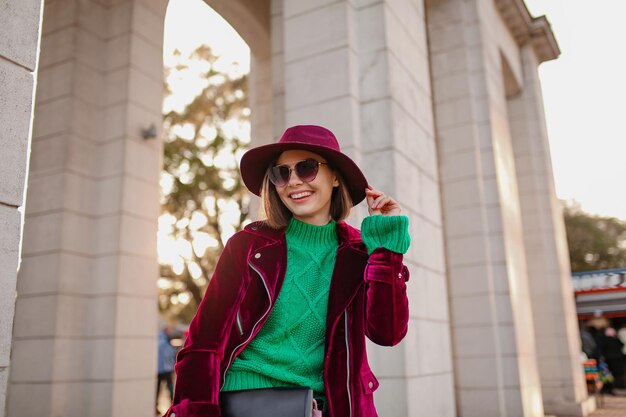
point(293, 297)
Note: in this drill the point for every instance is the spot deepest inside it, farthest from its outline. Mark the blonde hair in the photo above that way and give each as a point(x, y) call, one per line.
point(277, 215)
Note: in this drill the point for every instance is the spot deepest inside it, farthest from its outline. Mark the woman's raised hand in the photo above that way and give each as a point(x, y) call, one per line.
point(379, 203)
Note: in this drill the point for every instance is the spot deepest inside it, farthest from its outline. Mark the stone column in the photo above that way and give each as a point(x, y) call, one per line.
point(554, 311)
point(492, 324)
point(262, 116)
point(19, 45)
point(400, 157)
point(361, 69)
point(260, 98)
point(320, 68)
point(85, 326)
point(277, 44)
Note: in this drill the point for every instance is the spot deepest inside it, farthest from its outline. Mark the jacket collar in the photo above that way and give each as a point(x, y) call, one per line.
point(346, 234)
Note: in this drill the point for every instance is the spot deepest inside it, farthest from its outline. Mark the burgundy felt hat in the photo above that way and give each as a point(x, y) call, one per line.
point(256, 161)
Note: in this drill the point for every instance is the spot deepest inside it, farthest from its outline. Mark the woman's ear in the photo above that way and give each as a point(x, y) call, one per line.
point(335, 181)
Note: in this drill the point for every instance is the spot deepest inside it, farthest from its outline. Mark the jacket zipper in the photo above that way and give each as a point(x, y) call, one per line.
point(269, 308)
point(348, 362)
point(239, 326)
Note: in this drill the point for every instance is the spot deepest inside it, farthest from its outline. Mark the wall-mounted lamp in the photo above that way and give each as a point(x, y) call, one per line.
point(150, 132)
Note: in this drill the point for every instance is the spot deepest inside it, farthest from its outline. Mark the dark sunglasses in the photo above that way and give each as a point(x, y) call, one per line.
point(305, 170)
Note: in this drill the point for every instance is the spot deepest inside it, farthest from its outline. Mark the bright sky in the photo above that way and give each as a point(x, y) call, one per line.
point(584, 92)
point(584, 89)
point(193, 23)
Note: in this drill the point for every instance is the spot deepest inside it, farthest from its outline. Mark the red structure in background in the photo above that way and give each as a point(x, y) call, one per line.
point(600, 293)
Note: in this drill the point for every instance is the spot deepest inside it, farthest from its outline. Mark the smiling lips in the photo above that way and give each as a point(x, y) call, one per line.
point(300, 195)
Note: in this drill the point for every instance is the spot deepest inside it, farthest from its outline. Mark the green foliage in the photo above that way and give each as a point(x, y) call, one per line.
point(595, 242)
point(201, 187)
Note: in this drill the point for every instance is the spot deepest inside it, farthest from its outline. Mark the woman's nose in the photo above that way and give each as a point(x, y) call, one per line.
point(294, 179)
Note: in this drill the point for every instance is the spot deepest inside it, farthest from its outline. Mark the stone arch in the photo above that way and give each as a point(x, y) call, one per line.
point(88, 251)
point(85, 325)
point(252, 20)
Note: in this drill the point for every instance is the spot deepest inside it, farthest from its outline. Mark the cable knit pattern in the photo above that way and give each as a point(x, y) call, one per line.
point(389, 232)
point(289, 349)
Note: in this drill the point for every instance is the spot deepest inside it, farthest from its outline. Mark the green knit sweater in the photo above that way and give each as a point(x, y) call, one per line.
point(289, 349)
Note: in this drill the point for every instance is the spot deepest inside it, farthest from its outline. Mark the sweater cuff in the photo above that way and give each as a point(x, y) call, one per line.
point(389, 232)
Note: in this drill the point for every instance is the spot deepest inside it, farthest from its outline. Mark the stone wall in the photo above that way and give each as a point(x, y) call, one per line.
point(84, 339)
point(19, 45)
point(498, 200)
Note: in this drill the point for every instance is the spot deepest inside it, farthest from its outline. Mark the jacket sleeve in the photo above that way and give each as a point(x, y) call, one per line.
point(198, 363)
point(387, 305)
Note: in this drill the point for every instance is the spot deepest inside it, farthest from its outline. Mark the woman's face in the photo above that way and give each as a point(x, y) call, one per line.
point(309, 202)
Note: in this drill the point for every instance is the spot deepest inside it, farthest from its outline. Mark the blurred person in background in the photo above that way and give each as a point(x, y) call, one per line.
point(613, 356)
point(621, 335)
point(588, 342)
point(166, 358)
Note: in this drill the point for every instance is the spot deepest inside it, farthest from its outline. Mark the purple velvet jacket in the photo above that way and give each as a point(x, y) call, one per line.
point(367, 298)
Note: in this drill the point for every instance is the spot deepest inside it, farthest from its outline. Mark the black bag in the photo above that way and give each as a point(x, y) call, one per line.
point(268, 402)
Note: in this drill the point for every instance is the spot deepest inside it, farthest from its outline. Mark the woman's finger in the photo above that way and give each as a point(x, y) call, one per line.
point(380, 201)
point(391, 209)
